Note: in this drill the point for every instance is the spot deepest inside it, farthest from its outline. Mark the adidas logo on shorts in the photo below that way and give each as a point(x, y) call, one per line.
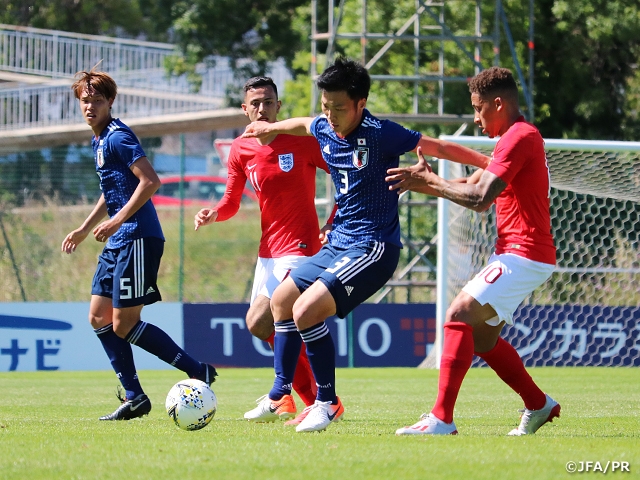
point(349, 290)
point(150, 290)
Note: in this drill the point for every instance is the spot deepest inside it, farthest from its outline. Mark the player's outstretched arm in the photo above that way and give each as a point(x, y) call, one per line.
point(434, 147)
point(206, 216)
point(414, 178)
point(75, 238)
point(477, 195)
point(292, 126)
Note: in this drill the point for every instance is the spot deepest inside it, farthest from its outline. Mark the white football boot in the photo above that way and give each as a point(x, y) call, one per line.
point(429, 424)
point(320, 416)
point(270, 410)
point(532, 420)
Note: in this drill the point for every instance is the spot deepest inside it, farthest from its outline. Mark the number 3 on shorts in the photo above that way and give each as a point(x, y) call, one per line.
point(339, 264)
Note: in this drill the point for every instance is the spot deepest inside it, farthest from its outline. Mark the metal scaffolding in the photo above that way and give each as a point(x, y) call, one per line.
point(426, 27)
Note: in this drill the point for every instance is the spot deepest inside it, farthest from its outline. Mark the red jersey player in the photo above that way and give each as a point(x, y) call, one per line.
point(517, 180)
point(282, 170)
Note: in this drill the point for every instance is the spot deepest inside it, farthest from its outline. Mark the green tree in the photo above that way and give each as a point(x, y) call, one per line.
point(252, 33)
point(586, 68)
point(149, 19)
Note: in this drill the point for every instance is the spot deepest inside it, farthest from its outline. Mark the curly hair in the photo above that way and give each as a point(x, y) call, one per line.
point(98, 82)
point(346, 75)
point(494, 81)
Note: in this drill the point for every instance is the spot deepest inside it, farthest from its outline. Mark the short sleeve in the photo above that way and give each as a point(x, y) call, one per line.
point(511, 155)
point(313, 128)
point(316, 155)
point(397, 140)
point(127, 147)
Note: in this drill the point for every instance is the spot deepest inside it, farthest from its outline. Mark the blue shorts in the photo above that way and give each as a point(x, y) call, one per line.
point(352, 274)
point(134, 269)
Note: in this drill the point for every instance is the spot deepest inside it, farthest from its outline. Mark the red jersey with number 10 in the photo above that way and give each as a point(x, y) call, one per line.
point(522, 209)
point(283, 175)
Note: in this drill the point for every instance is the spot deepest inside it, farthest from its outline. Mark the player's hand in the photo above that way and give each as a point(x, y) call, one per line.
point(72, 240)
point(324, 233)
point(204, 217)
point(257, 130)
point(415, 177)
point(103, 231)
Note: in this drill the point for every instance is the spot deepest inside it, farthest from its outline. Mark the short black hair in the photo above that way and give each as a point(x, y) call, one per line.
point(494, 81)
point(257, 82)
point(346, 75)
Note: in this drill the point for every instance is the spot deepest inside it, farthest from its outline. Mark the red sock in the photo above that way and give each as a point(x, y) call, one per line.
point(304, 383)
point(506, 362)
point(457, 354)
point(270, 339)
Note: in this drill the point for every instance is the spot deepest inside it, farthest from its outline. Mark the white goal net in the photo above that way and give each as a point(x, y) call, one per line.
point(588, 312)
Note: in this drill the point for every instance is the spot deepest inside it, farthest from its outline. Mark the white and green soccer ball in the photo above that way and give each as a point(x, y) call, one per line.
point(191, 404)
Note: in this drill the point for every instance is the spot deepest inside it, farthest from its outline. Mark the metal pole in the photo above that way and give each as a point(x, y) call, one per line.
point(416, 62)
point(363, 38)
point(16, 270)
point(496, 34)
point(181, 223)
point(314, 56)
point(530, 107)
point(478, 33)
point(350, 357)
point(442, 267)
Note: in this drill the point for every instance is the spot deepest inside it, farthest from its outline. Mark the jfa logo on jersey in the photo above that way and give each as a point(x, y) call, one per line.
point(286, 161)
point(100, 156)
point(360, 158)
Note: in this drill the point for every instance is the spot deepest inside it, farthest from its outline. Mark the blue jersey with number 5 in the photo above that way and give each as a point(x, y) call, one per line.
point(367, 209)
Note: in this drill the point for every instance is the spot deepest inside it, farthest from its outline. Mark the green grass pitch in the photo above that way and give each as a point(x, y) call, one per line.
point(49, 429)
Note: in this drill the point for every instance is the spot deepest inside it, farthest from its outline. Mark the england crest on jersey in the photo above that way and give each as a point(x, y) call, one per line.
point(100, 157)
point(360, 157)
point(286, 161)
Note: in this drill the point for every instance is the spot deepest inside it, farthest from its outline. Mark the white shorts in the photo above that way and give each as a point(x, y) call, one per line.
point(505, 282)
point(270, 272)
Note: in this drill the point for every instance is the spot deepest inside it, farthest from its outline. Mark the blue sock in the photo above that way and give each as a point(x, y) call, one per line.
point(121, 357)
point(286, 349)
point(155, 341)
point(322, 357)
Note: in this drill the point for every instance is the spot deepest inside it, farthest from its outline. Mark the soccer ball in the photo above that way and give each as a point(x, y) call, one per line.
point(191, 404)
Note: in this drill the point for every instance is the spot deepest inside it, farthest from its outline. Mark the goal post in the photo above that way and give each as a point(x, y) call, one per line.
point(588, 312)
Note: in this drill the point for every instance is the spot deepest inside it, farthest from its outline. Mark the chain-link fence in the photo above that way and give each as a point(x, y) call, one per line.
point(44, 194)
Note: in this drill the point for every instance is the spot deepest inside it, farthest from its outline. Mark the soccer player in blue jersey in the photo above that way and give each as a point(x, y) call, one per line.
point(127, 271)
point(364, 246)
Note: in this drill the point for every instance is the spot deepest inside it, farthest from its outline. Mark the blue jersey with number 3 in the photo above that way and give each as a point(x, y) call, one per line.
point(115, 151)
point(367, 209)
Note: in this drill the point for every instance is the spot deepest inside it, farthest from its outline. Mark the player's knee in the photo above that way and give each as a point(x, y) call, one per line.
point(96, 321)
point(280, 312)
point(306, 315)
point(281, 303)
point(299, 310)
point(120, 329)
point(458, 312)
point(260, 326)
